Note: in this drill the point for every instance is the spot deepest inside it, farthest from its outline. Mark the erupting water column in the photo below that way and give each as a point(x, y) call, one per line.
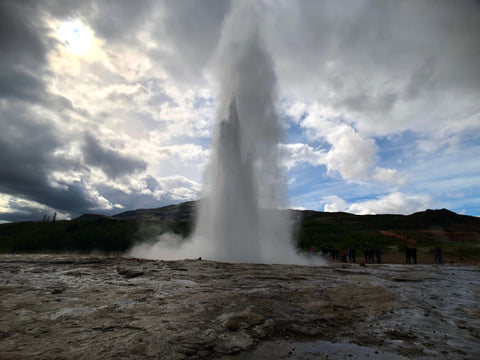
point(240, 220)
point(234, 198)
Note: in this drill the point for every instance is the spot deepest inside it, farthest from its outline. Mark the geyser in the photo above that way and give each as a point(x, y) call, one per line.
point(231, 216)
point(240, 219)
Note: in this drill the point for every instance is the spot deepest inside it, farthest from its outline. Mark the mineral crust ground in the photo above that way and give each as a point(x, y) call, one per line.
point(72, 306)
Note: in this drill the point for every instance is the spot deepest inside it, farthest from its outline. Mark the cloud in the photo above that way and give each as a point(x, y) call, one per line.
point(395, 203)
point(350, 154)
point(381, 94)
point(295, 154)
point(23, 49)
point(16, 209)
point(112, 163)
point(27, 153)
point(384, 65)
point(334, 203)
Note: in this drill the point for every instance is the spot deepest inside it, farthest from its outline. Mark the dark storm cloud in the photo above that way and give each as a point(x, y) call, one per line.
point(28, 141)
point(23, 50)
point(112, 163)
point(20, 42)
point(27, 155)
point(24, 213)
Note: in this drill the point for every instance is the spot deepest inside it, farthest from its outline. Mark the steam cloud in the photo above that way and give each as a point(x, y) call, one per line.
point(240, 220)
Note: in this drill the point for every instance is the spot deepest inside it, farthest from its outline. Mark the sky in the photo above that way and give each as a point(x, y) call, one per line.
point(109, 106)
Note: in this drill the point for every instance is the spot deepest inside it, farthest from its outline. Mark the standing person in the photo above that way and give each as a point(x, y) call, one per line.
point(371, 254)
point(407, 255)
point(414, 254)
point(344, 256)
point(438, 255)
point(378, 254)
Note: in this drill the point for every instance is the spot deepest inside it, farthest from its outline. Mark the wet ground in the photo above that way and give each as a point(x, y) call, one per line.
point(84, 307)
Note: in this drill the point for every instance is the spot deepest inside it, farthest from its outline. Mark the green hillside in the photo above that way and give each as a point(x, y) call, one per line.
point(459, 234)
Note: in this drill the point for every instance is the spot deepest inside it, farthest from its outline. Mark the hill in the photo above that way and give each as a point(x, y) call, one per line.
point(177, 212)
point(459, 234)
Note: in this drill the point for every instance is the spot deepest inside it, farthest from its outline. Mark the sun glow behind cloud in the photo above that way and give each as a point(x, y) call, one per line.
point(76, 37)
point(77, 43)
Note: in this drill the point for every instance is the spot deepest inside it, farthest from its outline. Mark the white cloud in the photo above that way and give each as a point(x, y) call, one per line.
point(395, 203)
point(334, 203)
point(351, 155)
point(177, 188)
point(294, 154)
point(388, 176)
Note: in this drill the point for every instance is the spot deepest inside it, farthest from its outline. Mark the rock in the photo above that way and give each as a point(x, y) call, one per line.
point(265, 329)
point(244, 319)
point(129, 273)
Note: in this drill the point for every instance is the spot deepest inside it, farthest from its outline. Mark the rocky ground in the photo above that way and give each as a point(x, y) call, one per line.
point(94, 307)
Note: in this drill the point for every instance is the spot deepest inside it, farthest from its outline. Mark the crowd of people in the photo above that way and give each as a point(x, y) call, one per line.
point(371, 256)
point(348, 255)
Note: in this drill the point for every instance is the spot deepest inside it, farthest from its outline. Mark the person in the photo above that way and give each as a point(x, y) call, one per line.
point(414, 254)
point(407, 255)
point(378, 255)
point(438, 255)
point(344, 256)
point(371, 254)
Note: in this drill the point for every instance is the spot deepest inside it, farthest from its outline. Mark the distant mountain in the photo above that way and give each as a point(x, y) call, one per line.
point(428, 219)
point(92, 217)
point(428, 225)
point(183, 211)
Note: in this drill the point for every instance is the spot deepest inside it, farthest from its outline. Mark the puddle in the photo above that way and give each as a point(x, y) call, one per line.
point(314, 350)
